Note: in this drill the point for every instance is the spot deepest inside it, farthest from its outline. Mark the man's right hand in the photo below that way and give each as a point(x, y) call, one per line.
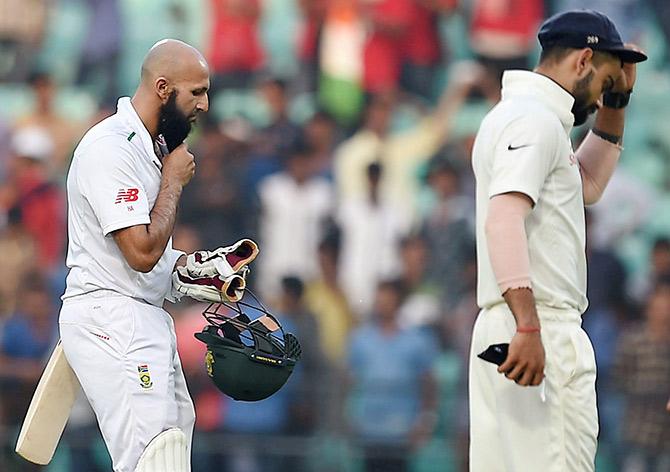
point(525, 359)
point(179, 166)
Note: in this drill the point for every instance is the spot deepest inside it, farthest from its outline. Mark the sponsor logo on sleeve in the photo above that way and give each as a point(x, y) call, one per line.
point(127, 195)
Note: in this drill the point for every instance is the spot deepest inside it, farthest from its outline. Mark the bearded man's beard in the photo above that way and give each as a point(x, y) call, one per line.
point(173, 124)
point(581, 109)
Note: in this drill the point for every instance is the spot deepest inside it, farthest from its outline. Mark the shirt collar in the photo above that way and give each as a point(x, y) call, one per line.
point(522, 83)
point(126, 110)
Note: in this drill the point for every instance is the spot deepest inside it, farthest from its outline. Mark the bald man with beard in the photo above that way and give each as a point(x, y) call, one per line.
point(124, 184)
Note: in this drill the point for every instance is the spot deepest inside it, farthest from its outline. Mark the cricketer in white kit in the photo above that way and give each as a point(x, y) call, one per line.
point(123, 188)
point(531, 192)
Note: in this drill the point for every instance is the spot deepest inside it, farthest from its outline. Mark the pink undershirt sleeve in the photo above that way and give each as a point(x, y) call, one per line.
point(507, 241)
point(597, 161)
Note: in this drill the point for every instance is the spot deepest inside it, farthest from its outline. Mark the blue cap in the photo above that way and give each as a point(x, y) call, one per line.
point(586, 29)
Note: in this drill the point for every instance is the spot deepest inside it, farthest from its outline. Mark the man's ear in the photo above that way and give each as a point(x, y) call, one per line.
point(162, 89)
point(583, 62)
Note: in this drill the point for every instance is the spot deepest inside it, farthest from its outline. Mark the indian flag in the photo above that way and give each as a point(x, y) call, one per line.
point(341, 61)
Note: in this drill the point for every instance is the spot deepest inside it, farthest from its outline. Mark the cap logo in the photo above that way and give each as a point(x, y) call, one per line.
point(592, 39)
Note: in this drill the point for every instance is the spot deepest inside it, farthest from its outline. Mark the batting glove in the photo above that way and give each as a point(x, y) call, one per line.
point(222, 262)
point(216, 289)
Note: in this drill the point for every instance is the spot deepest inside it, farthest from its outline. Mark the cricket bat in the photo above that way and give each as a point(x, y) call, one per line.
point(49, 410)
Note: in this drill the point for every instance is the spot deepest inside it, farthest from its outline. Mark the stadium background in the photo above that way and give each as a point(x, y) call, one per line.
point(338, 137)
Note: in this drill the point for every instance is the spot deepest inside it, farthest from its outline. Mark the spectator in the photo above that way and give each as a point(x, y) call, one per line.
point(61, 130)
point(502, 35)
point(642, 373)
point(448, 227)
point(22, 28)
point(99, 63)
point(320, 133)
point(314, 16)
point(19, 257)
point(235, 51)
point(422, 49)
point(217, 203)
point(308, 386)
point(401, 153)
point(26, 338)
point(293, 206)
point(37, 202)
point(393, 391)
point(371, 234)
point(388, 25)
point(281, 133)
point(326, 299)
point(659, 268)
point(421, 306)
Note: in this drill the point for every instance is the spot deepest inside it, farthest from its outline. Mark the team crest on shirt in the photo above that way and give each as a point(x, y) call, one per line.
point(145, 376)
point(127, 195)
point(209, 363)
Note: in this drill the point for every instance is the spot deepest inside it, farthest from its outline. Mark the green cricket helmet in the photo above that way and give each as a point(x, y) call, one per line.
point(248, 360)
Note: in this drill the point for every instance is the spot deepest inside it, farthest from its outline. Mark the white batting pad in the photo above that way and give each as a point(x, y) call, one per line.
point(49, 410)
point(167, 452)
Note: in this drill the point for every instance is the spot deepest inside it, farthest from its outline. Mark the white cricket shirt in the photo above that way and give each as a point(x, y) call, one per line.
point(523, 145)
point(113, 183)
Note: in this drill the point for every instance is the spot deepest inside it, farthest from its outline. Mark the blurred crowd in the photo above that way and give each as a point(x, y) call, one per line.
point(339, 138)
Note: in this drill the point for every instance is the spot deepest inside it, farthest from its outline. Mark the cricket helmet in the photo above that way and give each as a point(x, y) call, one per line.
point(247, 359)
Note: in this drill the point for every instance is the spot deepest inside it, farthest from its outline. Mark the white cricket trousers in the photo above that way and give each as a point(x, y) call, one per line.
point(511, 428)
point(124, 354)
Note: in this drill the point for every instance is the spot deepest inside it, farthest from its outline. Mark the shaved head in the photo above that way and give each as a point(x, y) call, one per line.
point(173, 90)
point(172, 59)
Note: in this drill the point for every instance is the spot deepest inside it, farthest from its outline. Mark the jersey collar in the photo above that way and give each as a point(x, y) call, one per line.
point(522, 83)
point(127, 111)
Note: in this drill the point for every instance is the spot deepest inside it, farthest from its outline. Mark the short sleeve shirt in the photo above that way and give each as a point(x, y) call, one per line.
point(523, 145)
point(113, 183)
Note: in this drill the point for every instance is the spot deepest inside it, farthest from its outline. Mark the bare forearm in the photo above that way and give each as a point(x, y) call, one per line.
point(521, 303)
point(163, 217)
point(597, 161)
point(143, 245)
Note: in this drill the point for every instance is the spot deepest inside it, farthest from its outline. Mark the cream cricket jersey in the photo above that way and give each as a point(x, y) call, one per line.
point(112, 184)
point(523, 145)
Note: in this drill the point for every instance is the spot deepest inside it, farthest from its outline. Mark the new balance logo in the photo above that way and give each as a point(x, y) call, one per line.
point(127, 195)
point(592, 39)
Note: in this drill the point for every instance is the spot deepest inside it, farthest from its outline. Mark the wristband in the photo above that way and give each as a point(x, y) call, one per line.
point(610, 138)
point(527, 330)
point(616, 100)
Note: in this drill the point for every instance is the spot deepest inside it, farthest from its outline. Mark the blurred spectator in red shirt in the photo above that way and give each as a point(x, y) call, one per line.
point(35, 201)
point(235, 50)
point(403, 45)
point(423, 50)
point(388, 26)
point(502, 34)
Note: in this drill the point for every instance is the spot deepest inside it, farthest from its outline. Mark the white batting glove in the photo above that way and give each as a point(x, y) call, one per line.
point(210, 289)
point(222, 262)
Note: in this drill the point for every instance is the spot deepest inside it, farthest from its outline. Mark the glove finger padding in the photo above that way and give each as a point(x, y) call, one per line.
point(209, 289)
point(224, 261)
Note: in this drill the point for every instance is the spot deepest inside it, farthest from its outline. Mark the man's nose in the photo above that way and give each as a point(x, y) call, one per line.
point(203, 105)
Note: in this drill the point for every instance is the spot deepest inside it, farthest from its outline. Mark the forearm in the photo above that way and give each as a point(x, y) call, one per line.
point(521, 303)
point(508, 253)
point(597, 161)
point(163, 217)
point(144, 245)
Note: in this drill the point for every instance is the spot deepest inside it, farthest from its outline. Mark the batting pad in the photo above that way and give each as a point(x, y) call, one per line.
point(167, 452)
point(49, 410)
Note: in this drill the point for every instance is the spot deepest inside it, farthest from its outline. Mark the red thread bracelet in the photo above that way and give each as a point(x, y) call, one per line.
point(527, 330)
